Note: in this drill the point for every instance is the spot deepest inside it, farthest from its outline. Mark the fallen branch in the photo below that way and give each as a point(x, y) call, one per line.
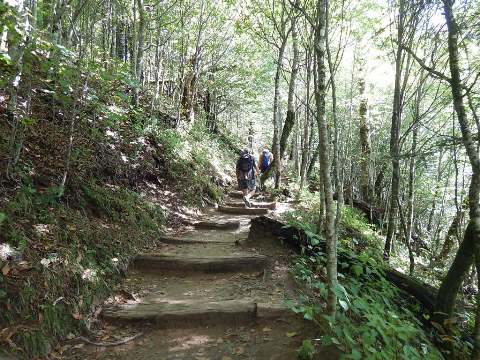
point(115, 343)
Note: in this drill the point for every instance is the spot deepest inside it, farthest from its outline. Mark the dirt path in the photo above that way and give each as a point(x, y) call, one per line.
point(209, 294)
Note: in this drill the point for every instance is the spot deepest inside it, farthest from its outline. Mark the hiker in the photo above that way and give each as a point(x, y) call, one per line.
point(246, 171)
point(265, 160)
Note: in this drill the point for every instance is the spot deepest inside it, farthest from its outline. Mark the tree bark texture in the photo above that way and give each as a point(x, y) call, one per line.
point(469, 248)
point(395, 134)
point(320, 94)
point(364, 138)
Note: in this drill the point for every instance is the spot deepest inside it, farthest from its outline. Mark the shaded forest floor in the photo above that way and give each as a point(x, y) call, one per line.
point(269, 330)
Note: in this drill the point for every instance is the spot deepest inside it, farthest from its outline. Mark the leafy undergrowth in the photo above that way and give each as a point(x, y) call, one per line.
point(129, 174)
point(375, 320)
point(65, 260)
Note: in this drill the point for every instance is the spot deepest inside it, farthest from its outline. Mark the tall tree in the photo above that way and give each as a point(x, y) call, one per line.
point(320, 96)
point(364, 133)
point(395, 129)
point(470, 246)
point(291, 118)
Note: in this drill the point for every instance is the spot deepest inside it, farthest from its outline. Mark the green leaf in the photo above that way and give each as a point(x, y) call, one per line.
point(5, 58)
point(3, 217)
point(357, 270)
point(343, 304)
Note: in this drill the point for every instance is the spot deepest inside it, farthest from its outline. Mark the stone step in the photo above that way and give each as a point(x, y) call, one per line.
point(269, 206)
point(218, 225)
point(238, 195)
point(190, 313)
point(233, 263)
point(184, 313)
point(242, 211)
point(185, 241)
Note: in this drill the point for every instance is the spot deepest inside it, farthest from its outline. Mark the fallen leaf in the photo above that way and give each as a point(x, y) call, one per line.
point(266, 329)
point(23, 265)
point(76, 316)
point(291, 334)
point(6, 270)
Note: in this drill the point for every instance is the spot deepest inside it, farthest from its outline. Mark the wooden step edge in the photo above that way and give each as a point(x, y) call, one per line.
point(220, 264)
point(185, 241)
point(242, 211)
point(231, 312)
point(222, 225)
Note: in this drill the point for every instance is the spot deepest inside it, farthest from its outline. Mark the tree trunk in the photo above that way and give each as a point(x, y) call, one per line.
point(313, 161)
point(452, 234)
point(408, 241)
point(138, 58)
point(364, 136)
point(276, 164)
point(290, 119)
point(337, 166)
point(320, 94)
point(16, 47)
point(395, 134)
point(411, 197)
point(276, 143)
point(306, 125)
point(436, 192)
point(469, 248)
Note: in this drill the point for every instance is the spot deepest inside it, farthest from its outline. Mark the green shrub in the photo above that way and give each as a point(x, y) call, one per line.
point(374, 321)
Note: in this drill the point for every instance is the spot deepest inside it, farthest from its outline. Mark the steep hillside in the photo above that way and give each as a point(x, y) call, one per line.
point(96, 179)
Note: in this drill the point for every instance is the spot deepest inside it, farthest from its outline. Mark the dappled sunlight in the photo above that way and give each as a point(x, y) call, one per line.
point(188, 342)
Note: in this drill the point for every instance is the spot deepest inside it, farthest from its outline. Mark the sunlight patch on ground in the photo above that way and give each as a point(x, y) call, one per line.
point(185, 343)
point(6, 251)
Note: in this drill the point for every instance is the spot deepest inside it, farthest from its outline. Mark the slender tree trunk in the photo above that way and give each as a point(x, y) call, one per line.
point(139, 45)
point(337, 166)
point(290, 119)
point(395, 133)
point(364, 136)
point(452, 234)
point(411, 198)
point(306, 144)
point(407, 238)
point(313, 161)
point(276, 165)
point(16, 47)
point(469, 248)
point(436, 192)
point(320, 94)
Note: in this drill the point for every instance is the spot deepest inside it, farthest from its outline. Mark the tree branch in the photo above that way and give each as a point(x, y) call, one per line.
point(432, 71)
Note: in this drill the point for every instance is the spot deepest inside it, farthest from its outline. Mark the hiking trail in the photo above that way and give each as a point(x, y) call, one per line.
point(214, 292)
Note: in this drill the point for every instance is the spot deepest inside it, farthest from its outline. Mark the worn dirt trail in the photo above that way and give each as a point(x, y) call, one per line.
point(209, 294)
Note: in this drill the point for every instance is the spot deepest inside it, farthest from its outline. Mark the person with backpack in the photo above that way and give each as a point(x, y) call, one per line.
point(265, 160)
point(247, 169)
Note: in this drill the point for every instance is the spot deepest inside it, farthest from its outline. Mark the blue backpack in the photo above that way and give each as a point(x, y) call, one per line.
point(265, 160)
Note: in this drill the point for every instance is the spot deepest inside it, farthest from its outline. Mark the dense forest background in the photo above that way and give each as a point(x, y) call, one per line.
point(109, 107)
